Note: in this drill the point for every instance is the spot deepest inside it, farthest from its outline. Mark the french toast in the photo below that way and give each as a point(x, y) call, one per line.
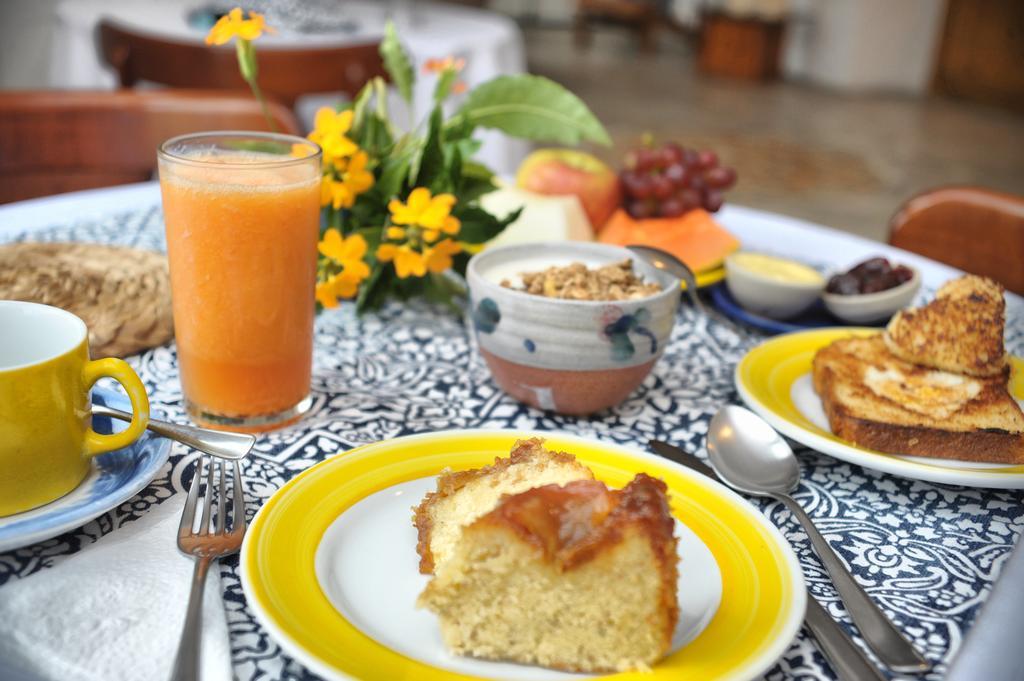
point(464, 496)
point(960, 331)
point(879, 401)
point(576, 577)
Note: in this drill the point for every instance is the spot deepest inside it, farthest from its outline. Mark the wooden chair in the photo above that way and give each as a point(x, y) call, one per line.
point(53, 142)
point(974, 229)
point(284, 74)
point(640, 16)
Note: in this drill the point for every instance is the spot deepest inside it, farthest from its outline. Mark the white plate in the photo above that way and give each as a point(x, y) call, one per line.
point(366, 565)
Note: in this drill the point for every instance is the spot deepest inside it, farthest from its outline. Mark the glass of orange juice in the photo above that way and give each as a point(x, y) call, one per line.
point(242, 213)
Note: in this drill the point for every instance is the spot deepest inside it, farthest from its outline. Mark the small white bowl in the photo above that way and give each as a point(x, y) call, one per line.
point(769, 296)
point(867, 308)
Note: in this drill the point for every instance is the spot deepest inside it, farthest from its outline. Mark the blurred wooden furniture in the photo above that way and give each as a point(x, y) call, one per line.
point(974, 229)
point(284, 73)
point(740, 47)
point(59, 141)
point(982, 51)
point(640, 16)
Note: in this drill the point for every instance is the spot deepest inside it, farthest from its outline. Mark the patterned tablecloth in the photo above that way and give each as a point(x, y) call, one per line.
point(927, 553)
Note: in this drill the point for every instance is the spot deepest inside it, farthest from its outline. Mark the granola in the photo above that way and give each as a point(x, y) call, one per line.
point(578, 282)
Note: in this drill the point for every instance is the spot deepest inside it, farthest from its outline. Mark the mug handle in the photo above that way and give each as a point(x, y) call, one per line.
point(120, 371)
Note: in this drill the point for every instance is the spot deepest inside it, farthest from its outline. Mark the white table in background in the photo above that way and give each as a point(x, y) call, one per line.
point(491, 44)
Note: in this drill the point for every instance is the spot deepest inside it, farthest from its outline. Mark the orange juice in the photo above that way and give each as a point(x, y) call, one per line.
point(242, 230)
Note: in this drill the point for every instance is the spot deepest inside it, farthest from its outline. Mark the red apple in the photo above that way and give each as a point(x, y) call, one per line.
point(567, 171)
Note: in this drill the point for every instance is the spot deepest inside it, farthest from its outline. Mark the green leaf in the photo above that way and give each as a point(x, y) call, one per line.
point(531, 107)
point(457, 129)
point(397, 62)
point(373, 236)
point(444, 289)
point(369, 213)
point(430, 168)
point(468, 148)
point(477, 180)
point(479, 226)
point(359, 105)
point(374, 136)
point(394, 172)
point(443, 88)
point(453, 161)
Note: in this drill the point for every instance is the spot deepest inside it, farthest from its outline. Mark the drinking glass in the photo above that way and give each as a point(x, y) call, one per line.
point(242, 214)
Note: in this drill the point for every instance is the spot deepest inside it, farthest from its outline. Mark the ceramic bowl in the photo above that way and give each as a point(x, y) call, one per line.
point(767, 296)
point(866, 308)
point(568, 356)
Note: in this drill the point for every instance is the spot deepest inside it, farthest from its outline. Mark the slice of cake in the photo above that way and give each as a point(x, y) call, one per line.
point(575, 577)
point(464, 496)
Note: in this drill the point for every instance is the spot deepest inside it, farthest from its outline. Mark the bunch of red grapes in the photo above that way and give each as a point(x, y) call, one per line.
point(673, 180)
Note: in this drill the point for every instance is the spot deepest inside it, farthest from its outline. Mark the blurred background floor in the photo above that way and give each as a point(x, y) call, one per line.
point(840, 159)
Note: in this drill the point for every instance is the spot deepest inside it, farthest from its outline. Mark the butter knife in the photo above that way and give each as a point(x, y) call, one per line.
point(847, 660)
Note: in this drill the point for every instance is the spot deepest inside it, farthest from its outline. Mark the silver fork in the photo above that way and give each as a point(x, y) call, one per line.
point(206, 545)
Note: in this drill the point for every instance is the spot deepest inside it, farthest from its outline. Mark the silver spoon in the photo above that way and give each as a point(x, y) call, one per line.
point(663, 260)
point(214, 442)
point(846, 657)
point(748, 455)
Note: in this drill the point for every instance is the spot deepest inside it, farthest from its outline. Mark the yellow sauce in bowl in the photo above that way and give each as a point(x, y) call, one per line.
point(778, 269)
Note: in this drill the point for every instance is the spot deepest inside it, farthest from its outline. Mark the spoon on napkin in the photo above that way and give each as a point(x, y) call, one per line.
point(750, 456)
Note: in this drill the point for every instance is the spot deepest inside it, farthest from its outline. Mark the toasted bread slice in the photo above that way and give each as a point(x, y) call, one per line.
point(880, 402)
point(961, 331)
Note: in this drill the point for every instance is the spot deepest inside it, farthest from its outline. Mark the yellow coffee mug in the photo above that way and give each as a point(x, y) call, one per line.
point(46, 438)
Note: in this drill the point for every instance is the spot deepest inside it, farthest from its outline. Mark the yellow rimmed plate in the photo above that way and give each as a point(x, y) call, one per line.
point(295, 556)
point(707, 277)
point(774, 379)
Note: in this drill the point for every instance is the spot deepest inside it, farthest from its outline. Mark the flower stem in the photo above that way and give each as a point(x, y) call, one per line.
point(249, 69)
point(258, 94)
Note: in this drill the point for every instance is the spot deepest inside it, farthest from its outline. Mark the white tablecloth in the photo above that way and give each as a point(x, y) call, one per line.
point(491, 44)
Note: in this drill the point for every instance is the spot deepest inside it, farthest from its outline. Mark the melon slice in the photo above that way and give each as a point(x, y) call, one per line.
point(544, 218)
point(695, 238)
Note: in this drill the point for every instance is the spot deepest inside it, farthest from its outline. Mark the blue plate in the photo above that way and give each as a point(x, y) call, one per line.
point(115, 478)
point(816, 316)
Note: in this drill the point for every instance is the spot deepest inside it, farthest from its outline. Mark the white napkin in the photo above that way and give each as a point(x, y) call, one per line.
point(112, 611)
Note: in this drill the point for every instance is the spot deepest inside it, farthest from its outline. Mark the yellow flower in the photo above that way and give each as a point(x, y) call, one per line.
point(325, 293)
point(346, 284)
point(335, 193)
point(439, 65)
point(355, 175)
point(430, 213)
point(347, 252)
point(407, 261)
point(232, 25)
point(355, 180)
point(329, 131)
point(439, 258)
point(301, 151)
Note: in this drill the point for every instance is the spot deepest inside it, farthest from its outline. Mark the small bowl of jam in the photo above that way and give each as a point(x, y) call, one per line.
point(871, 291)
